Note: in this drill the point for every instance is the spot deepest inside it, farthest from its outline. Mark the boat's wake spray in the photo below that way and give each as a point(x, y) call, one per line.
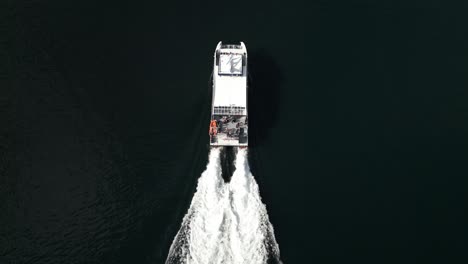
point(226, 222)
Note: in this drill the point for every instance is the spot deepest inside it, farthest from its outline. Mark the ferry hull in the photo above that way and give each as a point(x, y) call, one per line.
point(229, 116)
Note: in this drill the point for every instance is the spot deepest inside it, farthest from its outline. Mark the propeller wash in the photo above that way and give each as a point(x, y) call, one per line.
point(226, 222)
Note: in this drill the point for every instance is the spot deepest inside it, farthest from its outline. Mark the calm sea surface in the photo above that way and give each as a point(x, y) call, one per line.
point(358, 124)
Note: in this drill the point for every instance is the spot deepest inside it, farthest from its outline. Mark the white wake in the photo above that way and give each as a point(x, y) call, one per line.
point(226, 222)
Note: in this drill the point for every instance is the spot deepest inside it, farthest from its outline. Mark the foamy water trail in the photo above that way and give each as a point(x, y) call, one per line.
point(226, 222)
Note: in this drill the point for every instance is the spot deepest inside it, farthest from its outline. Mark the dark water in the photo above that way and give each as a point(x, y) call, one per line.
point(228, 166)
point(358, 124)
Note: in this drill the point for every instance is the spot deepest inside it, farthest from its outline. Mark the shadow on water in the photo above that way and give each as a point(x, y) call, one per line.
point(265, 79)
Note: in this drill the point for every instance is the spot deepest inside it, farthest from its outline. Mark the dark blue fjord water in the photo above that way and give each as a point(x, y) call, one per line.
point(358, 127)
point(105, 112)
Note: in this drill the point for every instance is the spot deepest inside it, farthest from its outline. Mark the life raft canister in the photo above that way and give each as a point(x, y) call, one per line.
point(213, 127)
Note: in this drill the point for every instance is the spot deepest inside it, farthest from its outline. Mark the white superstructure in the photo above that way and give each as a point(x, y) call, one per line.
point(229, 106)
